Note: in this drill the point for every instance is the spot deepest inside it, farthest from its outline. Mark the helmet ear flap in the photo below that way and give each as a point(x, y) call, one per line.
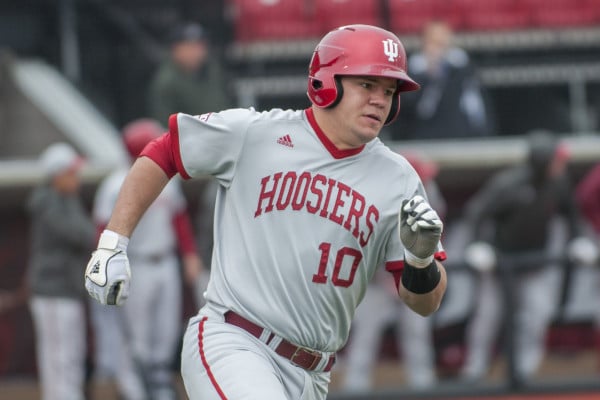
point(325, 94)
point(339, 90)
point(394, 110)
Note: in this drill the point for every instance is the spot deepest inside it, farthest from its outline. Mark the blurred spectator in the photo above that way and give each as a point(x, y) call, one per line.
point(62, 235)
point(381, 307)
point(450, 103)
point(588, 199)
point(523, 211)
point(191, 80)
point(149, 323)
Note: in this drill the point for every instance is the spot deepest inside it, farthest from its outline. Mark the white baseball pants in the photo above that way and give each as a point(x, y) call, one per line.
point(61, 346)
point(221, 361)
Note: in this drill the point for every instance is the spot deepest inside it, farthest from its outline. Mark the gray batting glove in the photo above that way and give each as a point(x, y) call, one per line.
point(420, 231)
point(107, 274)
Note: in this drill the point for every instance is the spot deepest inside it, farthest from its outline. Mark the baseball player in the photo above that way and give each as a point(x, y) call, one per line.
point(310, 203)
point(61, 234)
point(151, 318)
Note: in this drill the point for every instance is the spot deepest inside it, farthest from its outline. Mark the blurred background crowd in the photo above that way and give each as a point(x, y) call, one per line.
point(505, 134)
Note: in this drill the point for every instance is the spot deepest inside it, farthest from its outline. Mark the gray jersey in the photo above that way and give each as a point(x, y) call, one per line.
point(300, 226)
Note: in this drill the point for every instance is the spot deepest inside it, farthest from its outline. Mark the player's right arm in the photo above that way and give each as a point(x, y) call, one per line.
point(144, 182)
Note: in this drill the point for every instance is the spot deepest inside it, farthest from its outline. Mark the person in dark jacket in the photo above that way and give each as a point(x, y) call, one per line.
point(191, 79)
point(62, 235)
point(451, 102)
point(528, 211)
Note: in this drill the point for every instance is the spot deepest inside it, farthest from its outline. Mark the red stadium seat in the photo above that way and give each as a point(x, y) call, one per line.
point(563, 13)
point(333, 13)
point(593, 7)
point(541, 4)
point(410, 16)
point(273, 20)
point(516, 18)
point(484, 5)
point(493, 14)
point(557, 18)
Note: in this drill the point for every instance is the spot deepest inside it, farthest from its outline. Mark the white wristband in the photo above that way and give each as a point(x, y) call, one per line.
point(113, 241)
point(417, 261)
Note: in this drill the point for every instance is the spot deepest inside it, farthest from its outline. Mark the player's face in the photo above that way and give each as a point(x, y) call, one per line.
point(360, 115)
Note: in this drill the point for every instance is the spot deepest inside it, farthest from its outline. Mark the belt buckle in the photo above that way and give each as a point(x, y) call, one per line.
point(315, 354)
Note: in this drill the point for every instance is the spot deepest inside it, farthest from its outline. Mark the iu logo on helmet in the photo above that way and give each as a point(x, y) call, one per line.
point(390, 49)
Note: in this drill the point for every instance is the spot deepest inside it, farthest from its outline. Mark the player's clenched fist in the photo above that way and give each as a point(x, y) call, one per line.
point(107, 274)
point(420, 231)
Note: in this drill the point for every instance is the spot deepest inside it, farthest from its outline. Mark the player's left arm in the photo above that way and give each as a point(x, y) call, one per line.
point(107, 275)
point(423, 282)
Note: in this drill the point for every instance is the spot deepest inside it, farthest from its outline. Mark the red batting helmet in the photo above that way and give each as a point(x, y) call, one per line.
point(357, 50)
point(138, 133)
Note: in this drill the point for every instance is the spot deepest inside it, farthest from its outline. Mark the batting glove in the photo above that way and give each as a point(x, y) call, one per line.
point(107, 274)
point(420, 231)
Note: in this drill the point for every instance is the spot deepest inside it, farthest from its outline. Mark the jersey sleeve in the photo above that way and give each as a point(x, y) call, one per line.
point(209, 144)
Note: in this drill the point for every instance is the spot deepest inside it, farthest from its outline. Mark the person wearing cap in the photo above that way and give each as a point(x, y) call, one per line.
point(62, 235)
point(452, 102)
point(191, 79)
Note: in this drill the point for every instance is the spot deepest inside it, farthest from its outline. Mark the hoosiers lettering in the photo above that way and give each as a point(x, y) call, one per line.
point(321, 196)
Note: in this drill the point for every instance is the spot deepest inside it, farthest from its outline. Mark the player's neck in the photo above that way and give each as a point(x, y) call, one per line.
point(332, 130)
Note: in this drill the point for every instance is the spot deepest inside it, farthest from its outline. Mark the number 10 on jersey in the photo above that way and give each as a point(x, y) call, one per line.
point(336, 279)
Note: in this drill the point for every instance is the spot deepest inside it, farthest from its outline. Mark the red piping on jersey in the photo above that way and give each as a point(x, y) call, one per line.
point(333, 150)
point(396, 267)
point(204, 362)
point(174, 132)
